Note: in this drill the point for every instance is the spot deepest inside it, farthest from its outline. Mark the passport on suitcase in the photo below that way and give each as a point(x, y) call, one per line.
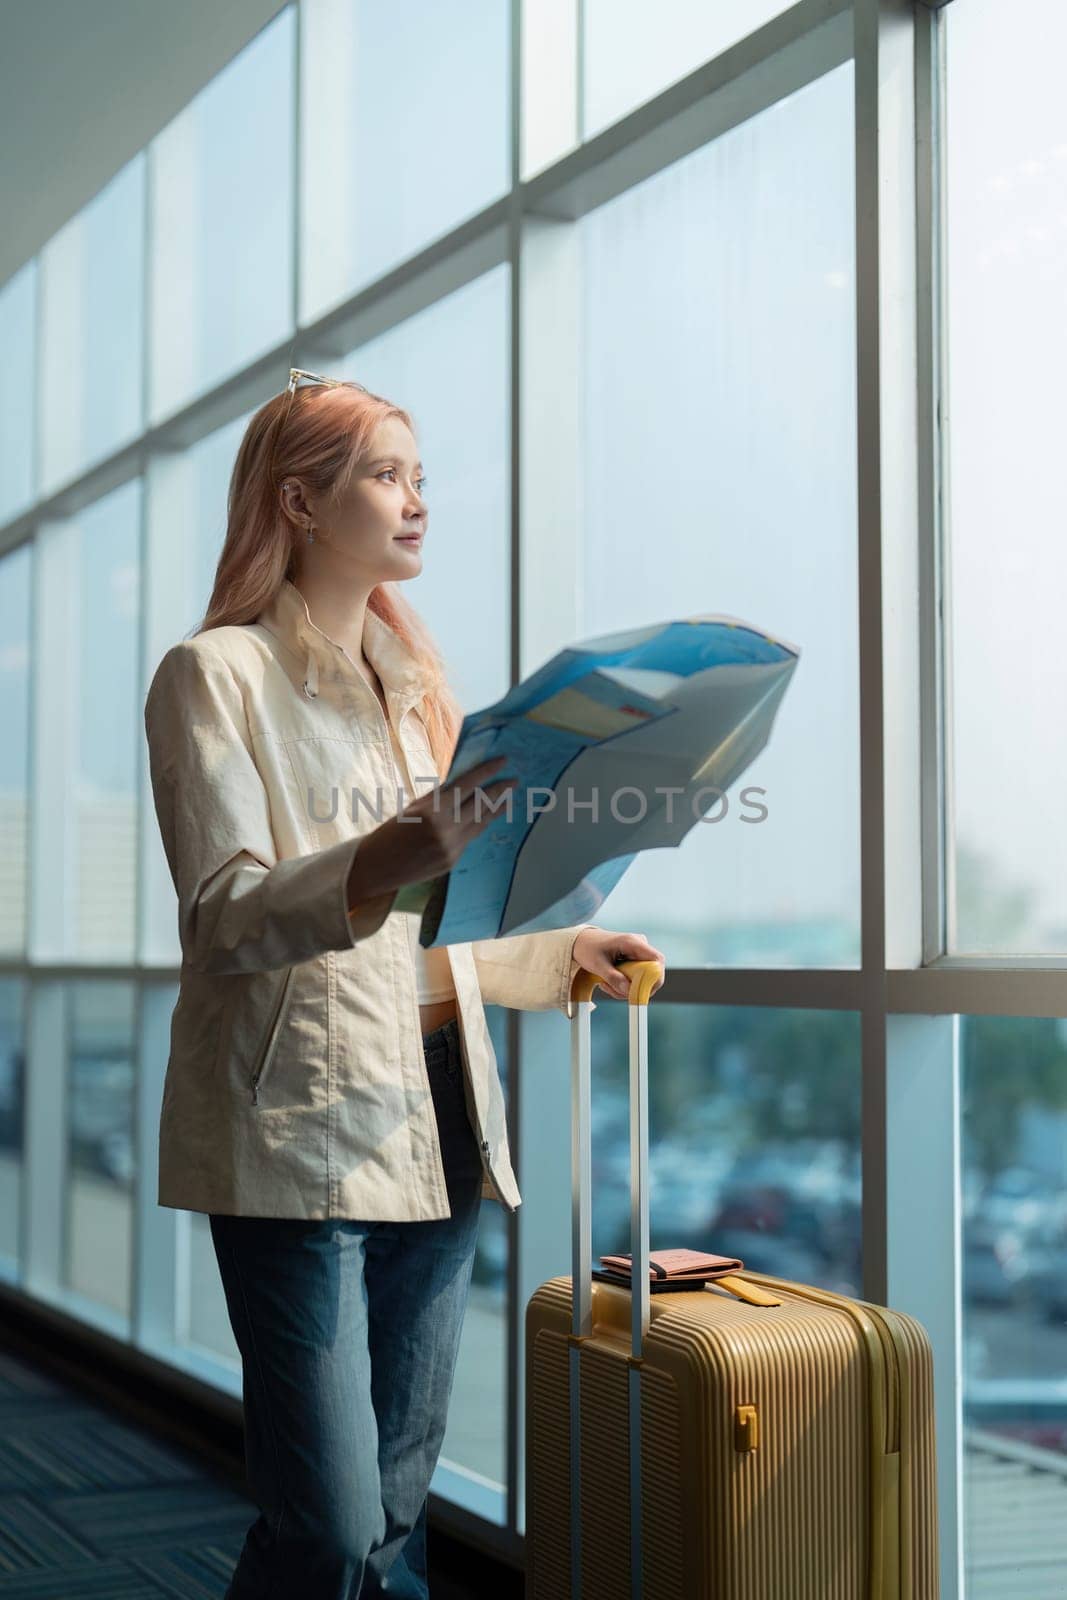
point(778, 1439)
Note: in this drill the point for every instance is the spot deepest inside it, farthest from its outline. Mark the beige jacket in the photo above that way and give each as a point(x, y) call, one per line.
point(296, 1084)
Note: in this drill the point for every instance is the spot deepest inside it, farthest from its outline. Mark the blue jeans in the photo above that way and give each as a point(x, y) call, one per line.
point(348, 1333)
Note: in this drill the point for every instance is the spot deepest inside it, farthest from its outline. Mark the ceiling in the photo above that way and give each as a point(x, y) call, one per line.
point(83, 87)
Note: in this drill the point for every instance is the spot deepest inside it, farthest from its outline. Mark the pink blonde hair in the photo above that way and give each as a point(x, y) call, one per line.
point(319, 435)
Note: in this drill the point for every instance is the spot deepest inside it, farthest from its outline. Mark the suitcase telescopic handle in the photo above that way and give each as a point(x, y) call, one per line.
point(643, 976)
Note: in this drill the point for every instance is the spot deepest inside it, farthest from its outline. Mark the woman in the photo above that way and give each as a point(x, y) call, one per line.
point(332, 1099)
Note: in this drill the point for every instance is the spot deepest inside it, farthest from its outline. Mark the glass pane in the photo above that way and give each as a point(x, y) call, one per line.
point(1007, 340)
point(12, 1100)
point(100, 1172)
point(476, 1433)
point(18, 388)
point(719, 465)
point(446, 366)
point(222, 222)
point(754, 1137)
point(209, 1321)
point(385, 171)
point(92, 283)
point(108, 711)
point(1014, 1157)
point(209, 463)
point(634, 51)
point(186, 525)
point(15, 573)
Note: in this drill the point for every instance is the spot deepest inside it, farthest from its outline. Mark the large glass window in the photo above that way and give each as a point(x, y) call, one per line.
point(222, 223)
point(404, 132)
point(92, 333)
point(719, 477)
point(685, 443)
point(1006, 153)
point(1014, 1156)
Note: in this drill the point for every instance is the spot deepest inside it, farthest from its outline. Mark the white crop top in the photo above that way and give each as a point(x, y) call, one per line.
point(433, 971)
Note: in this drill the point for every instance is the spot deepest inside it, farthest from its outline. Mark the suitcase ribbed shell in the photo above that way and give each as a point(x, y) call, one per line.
point(843, 1393)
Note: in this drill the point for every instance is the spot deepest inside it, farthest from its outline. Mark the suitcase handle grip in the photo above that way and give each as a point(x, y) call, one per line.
point(642, 976)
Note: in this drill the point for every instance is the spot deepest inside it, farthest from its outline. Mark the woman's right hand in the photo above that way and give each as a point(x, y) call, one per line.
point(404, 850)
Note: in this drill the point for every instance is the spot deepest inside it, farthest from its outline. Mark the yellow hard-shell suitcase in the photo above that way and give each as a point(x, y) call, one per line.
point(777, 1440)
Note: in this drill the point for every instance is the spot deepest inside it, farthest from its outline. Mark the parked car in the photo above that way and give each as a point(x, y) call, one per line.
point(1022, 1201)
point(777, 1257)
point(993, 1266)
point(12, 1071)
point(1045, 1274)
point(114, 1154)
point(100, 1112)
point(770, 1210)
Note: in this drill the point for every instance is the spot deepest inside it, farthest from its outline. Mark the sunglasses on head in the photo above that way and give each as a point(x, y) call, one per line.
point(298, 378)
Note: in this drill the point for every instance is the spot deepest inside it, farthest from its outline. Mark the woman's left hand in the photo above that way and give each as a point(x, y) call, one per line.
point(597, 951)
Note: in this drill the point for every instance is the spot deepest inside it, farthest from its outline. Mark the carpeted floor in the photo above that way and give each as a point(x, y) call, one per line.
point(93, 1508)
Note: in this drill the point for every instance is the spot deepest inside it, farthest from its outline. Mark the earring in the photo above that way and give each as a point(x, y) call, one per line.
point(311, 536)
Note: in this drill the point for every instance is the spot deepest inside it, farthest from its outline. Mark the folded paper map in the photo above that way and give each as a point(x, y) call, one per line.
point(619, 744)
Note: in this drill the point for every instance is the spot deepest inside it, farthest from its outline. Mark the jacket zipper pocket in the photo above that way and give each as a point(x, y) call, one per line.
point(273, 1032)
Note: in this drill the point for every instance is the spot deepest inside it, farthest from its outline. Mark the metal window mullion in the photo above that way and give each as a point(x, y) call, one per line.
point(924, 1234)
point(932, 459)
point(38, 387)
point(546, 563)
point(144, 1231)
point(148, 171)
point(980, 992)
point(910, 1116)
point(514, 1430)
point(579, 70)
point(890, 639)
point(1038, 989)
point(869, 552)
point(154, 1290)
point(296, 100)
point(154, 1284)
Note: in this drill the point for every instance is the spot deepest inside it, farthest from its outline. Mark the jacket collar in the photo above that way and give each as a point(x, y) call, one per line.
point(403, 677)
